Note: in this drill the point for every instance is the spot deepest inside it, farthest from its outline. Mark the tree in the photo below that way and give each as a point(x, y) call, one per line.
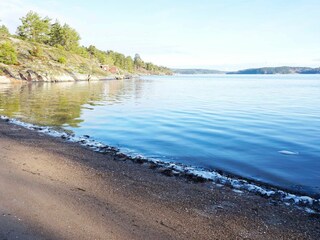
point(55, 34)
point(8, 54)
point(119, 60)
point(65, 36)
point(92, 50)
point(4, 31)
point(34, 28)
point(150, 67)
point(109, 59)
point(129, 64)
point(102, 56)
point(70, 38)
point(82, 51)
point(138, 61)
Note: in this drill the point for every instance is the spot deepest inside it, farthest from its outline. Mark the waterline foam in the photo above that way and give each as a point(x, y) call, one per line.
point(309, 204)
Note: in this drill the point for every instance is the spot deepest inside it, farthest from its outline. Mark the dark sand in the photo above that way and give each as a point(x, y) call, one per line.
point(50, 189)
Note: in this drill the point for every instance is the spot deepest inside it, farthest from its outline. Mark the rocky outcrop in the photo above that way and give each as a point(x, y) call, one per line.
point(33, 76)
point(5, 79)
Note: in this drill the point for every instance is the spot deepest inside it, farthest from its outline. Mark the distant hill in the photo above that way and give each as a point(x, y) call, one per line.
point(311, 71)
point(278, 70)
point(264, 70)
point(196, 71)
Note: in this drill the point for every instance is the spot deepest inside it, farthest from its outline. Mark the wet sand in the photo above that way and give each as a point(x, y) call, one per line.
point(51, 189)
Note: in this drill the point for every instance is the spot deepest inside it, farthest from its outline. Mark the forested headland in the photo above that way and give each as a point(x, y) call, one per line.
point(42, 49)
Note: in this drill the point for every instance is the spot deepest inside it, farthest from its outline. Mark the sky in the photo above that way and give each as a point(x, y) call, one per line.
point(215, 34)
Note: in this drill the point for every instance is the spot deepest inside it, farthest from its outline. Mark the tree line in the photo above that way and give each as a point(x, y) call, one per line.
point(42, 30)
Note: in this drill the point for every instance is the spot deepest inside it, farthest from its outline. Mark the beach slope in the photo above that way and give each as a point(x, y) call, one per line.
point(51, 189)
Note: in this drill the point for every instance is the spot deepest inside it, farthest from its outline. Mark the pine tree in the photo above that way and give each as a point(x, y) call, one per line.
point(34, 28)
point(64, 36)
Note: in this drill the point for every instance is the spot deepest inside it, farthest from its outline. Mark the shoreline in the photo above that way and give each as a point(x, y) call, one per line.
point(308, 203)
point(9, 80)
point(92, 195)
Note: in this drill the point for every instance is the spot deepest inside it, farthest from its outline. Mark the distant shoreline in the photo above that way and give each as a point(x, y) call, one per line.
point(263, 70)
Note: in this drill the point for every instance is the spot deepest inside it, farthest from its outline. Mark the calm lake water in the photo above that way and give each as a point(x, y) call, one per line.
point(236, 123)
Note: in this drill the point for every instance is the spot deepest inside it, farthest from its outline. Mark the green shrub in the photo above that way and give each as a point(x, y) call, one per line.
point(62, 60)
point(8, 54)
point(1, 72)
point(36, 51)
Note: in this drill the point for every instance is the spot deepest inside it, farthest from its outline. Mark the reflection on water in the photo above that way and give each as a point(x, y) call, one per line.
point(60, 104)
point(240, 124)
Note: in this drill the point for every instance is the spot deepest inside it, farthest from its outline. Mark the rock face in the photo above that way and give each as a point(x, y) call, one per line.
point(4, 79)
point(33, 76)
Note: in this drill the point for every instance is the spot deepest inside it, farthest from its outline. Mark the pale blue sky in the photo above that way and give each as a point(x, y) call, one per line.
point(228, 35)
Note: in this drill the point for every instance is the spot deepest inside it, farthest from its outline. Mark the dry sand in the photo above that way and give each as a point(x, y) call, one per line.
point(51, 189)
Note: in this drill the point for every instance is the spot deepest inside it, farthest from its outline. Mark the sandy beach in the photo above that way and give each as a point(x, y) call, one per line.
point(52, 189)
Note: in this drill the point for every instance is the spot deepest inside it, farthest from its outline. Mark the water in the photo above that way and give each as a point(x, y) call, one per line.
point(261, 127)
